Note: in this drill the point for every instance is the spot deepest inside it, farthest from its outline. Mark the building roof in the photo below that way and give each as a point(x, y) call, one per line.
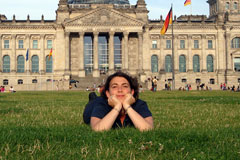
point(98, 2)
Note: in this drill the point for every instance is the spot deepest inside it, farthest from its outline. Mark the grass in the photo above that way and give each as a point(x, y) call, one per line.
point(188, 125)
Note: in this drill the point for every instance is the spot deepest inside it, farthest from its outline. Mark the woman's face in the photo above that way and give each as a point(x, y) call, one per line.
point(119, 86)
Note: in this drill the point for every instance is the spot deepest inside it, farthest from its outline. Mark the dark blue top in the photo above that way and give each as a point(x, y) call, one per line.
point(101, 109)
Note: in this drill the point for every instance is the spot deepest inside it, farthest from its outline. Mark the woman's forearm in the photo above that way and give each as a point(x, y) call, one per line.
point(105, 123)
point(143, 124)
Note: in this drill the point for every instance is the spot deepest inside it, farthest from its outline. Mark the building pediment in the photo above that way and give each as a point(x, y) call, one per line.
point(236, 52)
point(103, 17)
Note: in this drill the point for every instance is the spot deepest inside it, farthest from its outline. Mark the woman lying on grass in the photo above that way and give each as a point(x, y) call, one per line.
point(119, 106)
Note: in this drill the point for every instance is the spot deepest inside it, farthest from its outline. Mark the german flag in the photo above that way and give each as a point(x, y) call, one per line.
point(50, 55)
point(168, 21)
point(187, 2)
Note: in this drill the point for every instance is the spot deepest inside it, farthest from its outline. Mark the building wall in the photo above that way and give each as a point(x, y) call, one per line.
point(67, 34)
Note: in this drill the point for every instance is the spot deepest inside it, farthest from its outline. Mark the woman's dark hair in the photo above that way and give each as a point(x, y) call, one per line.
point(132, 81)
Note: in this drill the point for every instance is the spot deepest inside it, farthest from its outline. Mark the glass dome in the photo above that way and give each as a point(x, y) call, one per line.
point(98, 2)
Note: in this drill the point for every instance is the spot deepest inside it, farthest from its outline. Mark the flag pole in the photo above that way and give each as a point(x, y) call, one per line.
point(173, 68)
point(191, 9)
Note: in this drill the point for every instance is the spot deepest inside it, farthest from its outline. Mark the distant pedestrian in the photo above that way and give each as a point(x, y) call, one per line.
point(155, 81)
point(166, 85)
point(11, 89)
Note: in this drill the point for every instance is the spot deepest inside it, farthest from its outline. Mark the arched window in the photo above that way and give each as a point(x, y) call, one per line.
point(182, 63)
point(35, 64)
point(210, 63)
point(168, 63)
point(6, 64)
point(235, 5)
point(88, 54)
point(154, 63)
point(236, 64)
point(103, 53)
point(196, 63)
point(49, 64)
point(20, 64)
point(227, 6)
point(236, 42)
point(117, 52)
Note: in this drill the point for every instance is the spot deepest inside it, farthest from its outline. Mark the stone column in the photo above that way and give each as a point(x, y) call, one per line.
point(140, 52)
point(96, 72)
point(190, 56)
point(28, 64)
point(125, 51)
point(67, 52)
point(1, 53)
point(111, 52)
point(14, 56)
point(162, 55)
point(42, 68)
point(229, 64)
point(203, 58)
point(81, 71)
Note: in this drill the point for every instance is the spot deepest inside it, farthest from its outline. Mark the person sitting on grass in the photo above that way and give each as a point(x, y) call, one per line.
point(118, 106)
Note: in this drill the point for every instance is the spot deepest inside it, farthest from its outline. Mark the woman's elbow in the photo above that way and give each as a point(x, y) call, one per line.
point(98, 129)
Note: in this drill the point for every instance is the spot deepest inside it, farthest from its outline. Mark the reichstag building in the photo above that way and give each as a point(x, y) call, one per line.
point(91, 39)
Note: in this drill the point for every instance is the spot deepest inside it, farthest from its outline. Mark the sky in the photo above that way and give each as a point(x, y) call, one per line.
point(37, 8)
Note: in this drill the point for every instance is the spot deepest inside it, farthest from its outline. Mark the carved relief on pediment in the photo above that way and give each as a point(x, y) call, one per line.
point(196, 36)
point(49, 36)
point(236, 52)
point(168, 37)
point(104, 17)
point(210, 36)
point(154, 36)
point(35, 37)
point(182, 37)
point(7, 37)
point(21, 36)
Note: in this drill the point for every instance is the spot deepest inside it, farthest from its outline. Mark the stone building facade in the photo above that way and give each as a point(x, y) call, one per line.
point(91, 39)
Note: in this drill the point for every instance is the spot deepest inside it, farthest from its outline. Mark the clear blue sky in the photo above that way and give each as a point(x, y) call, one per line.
point(35, 8)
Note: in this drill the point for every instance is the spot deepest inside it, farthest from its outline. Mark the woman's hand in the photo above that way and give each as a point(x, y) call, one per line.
point(128, 101)
point(114, 102)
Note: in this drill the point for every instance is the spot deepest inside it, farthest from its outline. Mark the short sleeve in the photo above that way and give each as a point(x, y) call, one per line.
point(142, 108)
point(100, 108)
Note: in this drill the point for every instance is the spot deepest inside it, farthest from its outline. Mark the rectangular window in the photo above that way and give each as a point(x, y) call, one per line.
point(20, 44)
point(196, 44)
point(49, 44)
point(182, 44)
point(154, 44)
point(5, 82)
point(35, 44)
point(168, 44)
point(6, 44)
point(184, 80)
point(212, 81)
point(210, 44)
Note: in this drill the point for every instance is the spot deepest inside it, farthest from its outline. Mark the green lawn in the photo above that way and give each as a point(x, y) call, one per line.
point(188, 125)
